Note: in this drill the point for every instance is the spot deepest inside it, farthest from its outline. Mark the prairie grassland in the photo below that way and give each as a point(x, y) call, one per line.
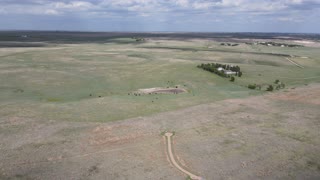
point(67, 111)
point(96, 78)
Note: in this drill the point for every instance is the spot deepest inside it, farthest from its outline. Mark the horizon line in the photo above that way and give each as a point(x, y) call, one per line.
point(168, 32)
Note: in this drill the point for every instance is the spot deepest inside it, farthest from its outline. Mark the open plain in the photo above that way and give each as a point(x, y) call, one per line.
point(96, 106)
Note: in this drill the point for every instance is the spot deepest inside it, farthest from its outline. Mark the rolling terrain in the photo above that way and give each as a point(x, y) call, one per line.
point(71, 106)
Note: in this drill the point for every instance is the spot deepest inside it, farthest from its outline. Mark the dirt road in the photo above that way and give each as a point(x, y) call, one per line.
point(295, 63)
point(169, 145)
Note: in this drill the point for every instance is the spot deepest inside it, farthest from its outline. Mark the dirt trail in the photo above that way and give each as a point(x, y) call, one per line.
point(295, 63)
point(169, 145)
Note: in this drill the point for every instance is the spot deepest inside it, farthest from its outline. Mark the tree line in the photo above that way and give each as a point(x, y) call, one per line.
point(277, 85)
point(213, 67)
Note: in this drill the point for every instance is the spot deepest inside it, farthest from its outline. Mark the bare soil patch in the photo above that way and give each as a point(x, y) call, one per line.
point(116, 134)
point(159, 90)
point(307, 43)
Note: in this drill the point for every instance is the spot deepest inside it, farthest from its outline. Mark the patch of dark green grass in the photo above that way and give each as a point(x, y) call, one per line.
point(143, 56)
point(228, 141)
point(268, 63)
point(54, 100)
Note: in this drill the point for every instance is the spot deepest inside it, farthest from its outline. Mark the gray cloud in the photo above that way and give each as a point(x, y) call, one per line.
point(168, 12)
point(161, 5)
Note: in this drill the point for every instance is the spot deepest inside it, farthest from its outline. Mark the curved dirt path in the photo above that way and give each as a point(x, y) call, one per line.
point(174, 162)
point(295, 63)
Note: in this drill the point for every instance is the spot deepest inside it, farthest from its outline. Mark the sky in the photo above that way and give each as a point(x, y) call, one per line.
point(297, 16)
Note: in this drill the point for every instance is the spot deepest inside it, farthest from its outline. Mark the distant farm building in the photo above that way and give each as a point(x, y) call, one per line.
point(226, 72)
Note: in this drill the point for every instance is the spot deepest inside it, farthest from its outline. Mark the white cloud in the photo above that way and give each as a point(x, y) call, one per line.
point(75, 5)
point(182, 3)
point(127, 2)
point(290, 19)
point(202, 5)
point(51, 12)
point(150, 7)
point(53, 8)
point(230, 3)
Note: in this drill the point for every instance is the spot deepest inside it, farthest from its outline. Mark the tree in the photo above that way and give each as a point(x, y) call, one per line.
point(270, 88)
point(232, 79)
point(276, 81)
point(239, 73)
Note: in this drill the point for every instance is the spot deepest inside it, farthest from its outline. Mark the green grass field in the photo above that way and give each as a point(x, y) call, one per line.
point(91, 82)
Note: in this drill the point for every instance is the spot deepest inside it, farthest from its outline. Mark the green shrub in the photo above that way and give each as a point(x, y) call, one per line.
point(252, 86)
point(270, 88)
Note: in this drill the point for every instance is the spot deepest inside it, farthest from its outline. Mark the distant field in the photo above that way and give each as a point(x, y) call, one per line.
point(97, 77)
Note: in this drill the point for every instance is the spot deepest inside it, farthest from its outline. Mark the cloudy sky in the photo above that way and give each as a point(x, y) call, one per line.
point(162, 15)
